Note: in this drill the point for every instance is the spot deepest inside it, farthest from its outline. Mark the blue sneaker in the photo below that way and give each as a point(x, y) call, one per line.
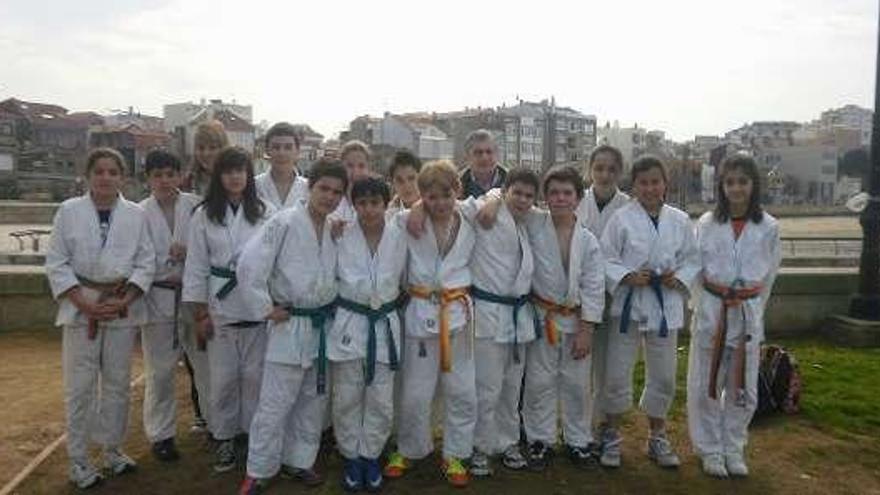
point(352, 476)
point(372, 474)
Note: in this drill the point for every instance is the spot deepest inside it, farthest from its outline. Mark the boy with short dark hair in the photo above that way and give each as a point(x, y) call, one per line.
point(404, 172)
point(282, 186)
point(168, 212)
point(364, 343)
point(287, 273)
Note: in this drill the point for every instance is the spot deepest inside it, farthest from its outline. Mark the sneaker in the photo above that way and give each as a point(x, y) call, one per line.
point(456, 474)
point(581, 456)
point(199, 425)
point(610, 448)
point(539, 456)
point(84, 475)
point(224, 457)
point(372, 474)
point(513, 459)
point(736, 465)
point(165, 450)
point(117, 462)
point(713, 465)
point(253, 486)
point(660, 451)
point(480, 464)
point(352, 475)
point(308, 477)
point(396, 466)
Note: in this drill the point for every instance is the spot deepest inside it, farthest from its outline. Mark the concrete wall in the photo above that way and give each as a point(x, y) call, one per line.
point(802, 299)
point(26, 213)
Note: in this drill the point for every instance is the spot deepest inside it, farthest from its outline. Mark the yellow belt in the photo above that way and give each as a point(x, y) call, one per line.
point(443, 297)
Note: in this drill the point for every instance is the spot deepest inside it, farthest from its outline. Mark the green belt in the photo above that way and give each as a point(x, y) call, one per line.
point(318, 317)
point(374, 316)
point(515, 302)
point(231, 281)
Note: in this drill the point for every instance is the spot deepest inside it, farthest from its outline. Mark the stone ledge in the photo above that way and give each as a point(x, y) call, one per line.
point(851, 332)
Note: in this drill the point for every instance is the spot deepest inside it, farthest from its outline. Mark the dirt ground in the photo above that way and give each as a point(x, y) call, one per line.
point(787, 455)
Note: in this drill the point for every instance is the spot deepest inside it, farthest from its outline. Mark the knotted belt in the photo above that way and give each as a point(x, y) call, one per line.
point(731, 297)
point(105, 290)
point(177, 288)
point(656, 285)
point(318, 317)
point(229, 276)
point(443, 297)
point(551, 309)
point(374, 315)
point(515, 303)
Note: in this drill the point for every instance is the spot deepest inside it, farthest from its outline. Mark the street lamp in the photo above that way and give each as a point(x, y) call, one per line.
point(865, 304)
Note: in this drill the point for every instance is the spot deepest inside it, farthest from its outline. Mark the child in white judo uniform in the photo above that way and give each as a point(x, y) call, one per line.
point(404, 173)
point(568, 294)
point(502, 267)
point(740, 256)
point(282, 186)
point(229, 216)
point(168, 214)
point(209, 139)
point(601, 200)
point(651, 262)
point(437, 348)
point(355, 156)
point(288, 275)
point(100, 260)
point(364, 343)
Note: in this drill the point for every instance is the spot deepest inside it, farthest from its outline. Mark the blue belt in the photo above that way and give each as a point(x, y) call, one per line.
point(231, 280)
point(373, 317)
point(318, 317)
point(515, 302)
point(656, 285)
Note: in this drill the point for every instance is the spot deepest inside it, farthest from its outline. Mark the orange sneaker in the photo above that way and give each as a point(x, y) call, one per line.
point(456, 473)
point(396, 466)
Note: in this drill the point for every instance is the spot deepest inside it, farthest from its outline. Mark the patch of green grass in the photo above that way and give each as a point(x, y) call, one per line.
point(841, 386)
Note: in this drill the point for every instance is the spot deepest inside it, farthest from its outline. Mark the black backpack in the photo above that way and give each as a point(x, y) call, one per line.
point(779, 382)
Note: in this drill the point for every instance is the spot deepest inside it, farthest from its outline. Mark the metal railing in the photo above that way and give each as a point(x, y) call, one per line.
point(839, 246)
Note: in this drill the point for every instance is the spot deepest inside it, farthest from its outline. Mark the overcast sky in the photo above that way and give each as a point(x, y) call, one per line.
point(686, 67)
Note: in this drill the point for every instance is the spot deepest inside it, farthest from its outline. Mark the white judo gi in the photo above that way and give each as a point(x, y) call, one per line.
point(362, 411)
point(423, 354)
point(266, 190)
point(589, 214)
point(630, 243)
point(501, 266)
point(286, 265)
point(161, 346)
point(235, 352)
point(345, 211)
point(97, 371)
point(720, 425)
point(554, 379)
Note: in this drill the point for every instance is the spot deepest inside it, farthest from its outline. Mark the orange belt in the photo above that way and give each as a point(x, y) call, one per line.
point(551, 309)
point(730, 298)
point(443, 297)
point(106, 290)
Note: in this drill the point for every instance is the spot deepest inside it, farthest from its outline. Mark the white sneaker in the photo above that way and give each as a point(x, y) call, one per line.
point(736, 465)
point(83, 474)
point(513, 458)
point(713, 465)
point(610, 448)
point(660, 451)
point(117, 462)
point(480, 464)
